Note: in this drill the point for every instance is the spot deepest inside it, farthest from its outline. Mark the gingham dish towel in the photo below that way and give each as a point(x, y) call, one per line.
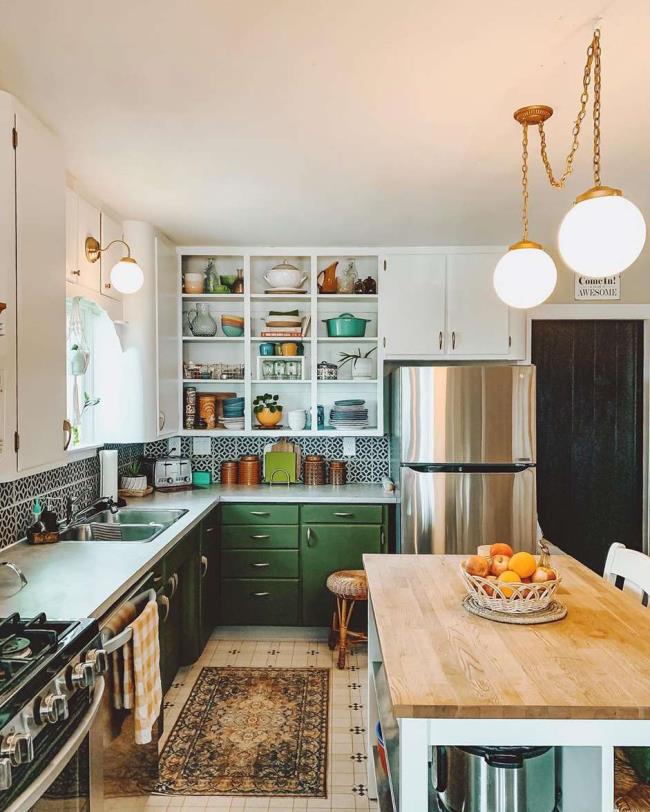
point(116, 624)
point(146, 687)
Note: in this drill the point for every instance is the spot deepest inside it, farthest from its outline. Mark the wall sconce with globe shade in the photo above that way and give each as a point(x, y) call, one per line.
point(126, 275)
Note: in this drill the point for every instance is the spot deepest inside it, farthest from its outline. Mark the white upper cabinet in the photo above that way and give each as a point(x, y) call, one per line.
point(72, 271)
point(478, 322)
point(111, 230)
point(442, 305)
point(88, 225)
point(412, 305)
point(40, 294)
point(167, 337)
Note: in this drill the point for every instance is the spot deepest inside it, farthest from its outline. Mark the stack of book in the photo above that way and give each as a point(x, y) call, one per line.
point(285, 330)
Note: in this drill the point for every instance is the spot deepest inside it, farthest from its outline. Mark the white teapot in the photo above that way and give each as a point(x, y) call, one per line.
point(285, 275)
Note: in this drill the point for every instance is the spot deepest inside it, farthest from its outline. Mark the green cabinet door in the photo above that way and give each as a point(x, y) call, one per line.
point(325, 549)
point(171, 633)
point(209, 575)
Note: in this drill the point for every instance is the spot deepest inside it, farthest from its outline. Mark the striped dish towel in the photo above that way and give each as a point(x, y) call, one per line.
point(147, 689)
point(116, 624)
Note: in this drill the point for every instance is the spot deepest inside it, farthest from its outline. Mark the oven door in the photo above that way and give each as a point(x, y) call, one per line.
point(59, 778)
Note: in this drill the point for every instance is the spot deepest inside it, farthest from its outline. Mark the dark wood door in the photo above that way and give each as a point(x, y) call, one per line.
point(589, 434)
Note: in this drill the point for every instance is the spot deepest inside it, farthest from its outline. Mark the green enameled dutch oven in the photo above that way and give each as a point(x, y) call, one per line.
point(346, 326)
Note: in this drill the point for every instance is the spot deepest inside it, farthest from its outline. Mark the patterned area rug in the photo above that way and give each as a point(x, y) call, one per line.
point(250, 731)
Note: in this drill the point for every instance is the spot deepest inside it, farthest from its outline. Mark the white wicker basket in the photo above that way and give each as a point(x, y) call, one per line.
point(513, 598)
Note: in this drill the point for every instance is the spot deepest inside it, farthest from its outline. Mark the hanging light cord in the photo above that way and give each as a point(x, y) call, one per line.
point(593, 60)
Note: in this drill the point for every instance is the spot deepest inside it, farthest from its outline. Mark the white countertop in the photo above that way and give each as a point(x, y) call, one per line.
point(84, 579)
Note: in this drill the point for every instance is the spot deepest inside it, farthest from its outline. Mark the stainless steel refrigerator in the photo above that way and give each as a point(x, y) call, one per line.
point(463, 450)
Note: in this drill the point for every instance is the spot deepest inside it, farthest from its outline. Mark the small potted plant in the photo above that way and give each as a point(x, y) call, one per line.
point(267, 410)
point(134, 479)
point(361, 363)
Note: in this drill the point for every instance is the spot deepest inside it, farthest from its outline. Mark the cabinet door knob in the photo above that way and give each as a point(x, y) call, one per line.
point(204, 566)
point(382, 539)
point(164, 602)
point(76, 273)
point(453, 340)
point(440, 340)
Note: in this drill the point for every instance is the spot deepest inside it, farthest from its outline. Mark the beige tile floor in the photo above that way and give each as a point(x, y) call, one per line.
point(346, 773)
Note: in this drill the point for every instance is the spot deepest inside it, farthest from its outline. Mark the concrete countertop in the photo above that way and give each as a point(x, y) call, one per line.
point(71, 579)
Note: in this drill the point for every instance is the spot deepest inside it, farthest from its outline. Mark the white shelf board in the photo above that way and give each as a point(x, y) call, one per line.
point(282, 340)
point(347, 297)
point(195, 339)
point(212, 381)
point(293, 297)
point(351, 340)
point(213, 296)
point(272, 382)
point(356, 381)
point(280, 433)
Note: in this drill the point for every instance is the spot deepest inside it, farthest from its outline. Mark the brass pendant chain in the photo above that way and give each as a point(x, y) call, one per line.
point(524, 183)
point(593, 58)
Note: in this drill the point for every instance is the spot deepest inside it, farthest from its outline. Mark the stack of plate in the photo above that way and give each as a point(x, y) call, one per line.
point(349, 414)
point(290, 318)
point(233, 414)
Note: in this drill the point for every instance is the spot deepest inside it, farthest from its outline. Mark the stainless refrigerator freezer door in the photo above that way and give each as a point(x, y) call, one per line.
point(456, 512)
point(465, 414)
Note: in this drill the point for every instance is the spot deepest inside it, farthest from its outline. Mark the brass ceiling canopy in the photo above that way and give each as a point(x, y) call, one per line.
point(533, 114)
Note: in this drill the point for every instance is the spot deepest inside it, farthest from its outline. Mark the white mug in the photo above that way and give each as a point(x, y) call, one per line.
point(297, 419)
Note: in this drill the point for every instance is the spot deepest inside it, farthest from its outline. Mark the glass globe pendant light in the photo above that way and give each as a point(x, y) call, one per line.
point(604, 233)
point(526, 275)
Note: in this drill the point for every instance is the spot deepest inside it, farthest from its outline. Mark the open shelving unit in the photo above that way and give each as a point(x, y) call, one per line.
point(254, 304)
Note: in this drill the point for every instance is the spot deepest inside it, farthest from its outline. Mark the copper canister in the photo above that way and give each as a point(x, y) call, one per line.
point(314, 470)
point(230, 472)
point(338, 472)
point(250, 469)
point(207, 409)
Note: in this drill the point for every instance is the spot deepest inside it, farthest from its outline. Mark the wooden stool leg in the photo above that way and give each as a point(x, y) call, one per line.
point(345, 613)
point(334, 631)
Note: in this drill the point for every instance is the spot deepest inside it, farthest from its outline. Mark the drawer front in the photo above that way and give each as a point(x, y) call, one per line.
point(236, 513)
point(259, 564)
point(259, 602)
point(251, 536)
point(342, 514)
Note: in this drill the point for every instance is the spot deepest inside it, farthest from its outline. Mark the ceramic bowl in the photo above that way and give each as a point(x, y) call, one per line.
point(230, 331)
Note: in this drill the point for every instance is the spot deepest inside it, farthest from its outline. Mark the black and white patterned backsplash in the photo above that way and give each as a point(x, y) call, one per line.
point(369, 464)
point(78, 479)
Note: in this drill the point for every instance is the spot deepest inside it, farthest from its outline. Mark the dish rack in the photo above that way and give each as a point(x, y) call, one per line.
point(512, 598)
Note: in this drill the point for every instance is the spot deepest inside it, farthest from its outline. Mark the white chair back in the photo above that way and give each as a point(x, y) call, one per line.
point(632, 567)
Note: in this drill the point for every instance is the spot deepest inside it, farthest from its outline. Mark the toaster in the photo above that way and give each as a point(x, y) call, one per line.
point(169, 473)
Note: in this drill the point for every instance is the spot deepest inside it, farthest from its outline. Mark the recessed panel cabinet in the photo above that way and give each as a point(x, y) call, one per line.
point(442, 305)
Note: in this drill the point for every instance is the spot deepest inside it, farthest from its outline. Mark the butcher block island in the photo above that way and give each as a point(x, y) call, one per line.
point(442, 677)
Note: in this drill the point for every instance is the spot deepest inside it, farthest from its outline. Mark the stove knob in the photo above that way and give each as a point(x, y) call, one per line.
point(5, 773)
point(53, 709)
point(99, 658)
point(83, 675)
point(18, 748)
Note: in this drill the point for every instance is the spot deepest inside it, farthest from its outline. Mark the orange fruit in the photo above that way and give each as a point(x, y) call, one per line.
point(508, 577)
point(500, 548)
point(524, 564)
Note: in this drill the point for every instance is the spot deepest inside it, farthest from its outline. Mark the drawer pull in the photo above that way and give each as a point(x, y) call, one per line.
point(261, 564)
point(209, 530)
point(344, 515)
point(259, 513)
point(259, 594)
point(260, 536)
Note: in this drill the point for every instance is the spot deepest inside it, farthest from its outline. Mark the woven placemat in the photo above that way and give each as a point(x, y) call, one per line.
point(554, 611)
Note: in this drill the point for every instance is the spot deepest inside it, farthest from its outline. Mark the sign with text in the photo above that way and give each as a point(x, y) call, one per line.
point(609, 287)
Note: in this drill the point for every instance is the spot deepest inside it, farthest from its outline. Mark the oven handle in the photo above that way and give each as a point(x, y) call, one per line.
point(37, 789)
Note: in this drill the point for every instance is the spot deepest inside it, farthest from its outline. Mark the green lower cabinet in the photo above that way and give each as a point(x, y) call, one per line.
point(324, 549)
point(259, 602)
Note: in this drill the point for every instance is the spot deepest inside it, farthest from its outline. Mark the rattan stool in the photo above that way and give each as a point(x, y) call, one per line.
point(349, 586)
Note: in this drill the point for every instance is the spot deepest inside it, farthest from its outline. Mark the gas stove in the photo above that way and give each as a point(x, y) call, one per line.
point(48, 672)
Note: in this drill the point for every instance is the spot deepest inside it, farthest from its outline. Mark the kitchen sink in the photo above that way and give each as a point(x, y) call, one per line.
point(127, 532)
point(163, 516)
point(127, 524)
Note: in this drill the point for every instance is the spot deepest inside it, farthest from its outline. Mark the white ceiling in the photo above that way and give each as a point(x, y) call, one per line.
point(328, 121)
